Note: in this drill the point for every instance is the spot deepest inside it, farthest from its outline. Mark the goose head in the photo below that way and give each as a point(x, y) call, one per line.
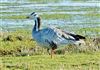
point(33, 16)
point(37, 20)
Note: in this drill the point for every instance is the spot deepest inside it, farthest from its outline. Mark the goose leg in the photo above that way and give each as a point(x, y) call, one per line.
point(52, 53)
point(48, 51)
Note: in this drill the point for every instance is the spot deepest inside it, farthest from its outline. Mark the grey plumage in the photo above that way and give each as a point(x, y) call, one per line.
point(51, 37)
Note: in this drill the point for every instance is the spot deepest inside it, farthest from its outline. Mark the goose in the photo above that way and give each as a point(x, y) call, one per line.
point(50, 37)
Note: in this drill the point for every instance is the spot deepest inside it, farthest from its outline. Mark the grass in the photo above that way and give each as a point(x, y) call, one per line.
point(45, 16)
point(56, 16)
point(78, 61)
point(9, 4)
point(24, 54)
point(15, 42)
point(18, 51)
point(92, 30)
point(13, 17)
point(9, 12)
point(20, 42)
point(79, 0)
point(53, 16)
point(44, 1)
point(54, 1)
point(74, 9)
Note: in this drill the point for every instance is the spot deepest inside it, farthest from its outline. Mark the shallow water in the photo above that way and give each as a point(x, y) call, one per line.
point(84, 14)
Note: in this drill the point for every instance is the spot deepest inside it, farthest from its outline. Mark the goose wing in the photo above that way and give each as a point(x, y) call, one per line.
point(55, 35)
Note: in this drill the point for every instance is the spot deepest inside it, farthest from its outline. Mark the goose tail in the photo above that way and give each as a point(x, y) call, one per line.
point(81, 40)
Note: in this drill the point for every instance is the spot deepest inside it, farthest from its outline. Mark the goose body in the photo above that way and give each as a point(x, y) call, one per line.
point(50, 37)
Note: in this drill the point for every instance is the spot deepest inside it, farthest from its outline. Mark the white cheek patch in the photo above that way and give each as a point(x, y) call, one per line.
point(36, 15)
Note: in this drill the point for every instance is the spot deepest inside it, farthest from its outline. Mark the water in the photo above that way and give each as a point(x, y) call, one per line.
point(84, 14)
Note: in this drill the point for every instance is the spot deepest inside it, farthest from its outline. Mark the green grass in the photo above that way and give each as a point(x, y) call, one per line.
point(97, 29)
point(9, 4)
point(9, 12)
point(45, 16)
point(13, 45)
point(97, 15)
point(78, 0)
point(20, 55)
point(56, 16)
point(58, 62)
point(74, 9)
point(52, 16)
point(14, 55)
point(44, 1)
point(13, 17)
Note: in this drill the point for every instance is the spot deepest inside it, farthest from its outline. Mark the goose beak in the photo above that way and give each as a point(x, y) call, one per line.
point(27, 17)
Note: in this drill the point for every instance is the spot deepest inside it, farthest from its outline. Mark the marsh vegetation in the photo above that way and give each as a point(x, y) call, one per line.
point(18, 51)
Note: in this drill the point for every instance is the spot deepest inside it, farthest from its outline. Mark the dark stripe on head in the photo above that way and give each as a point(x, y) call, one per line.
point(32, 13)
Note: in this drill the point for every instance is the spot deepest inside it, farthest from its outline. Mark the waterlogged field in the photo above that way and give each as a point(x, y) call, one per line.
point(72, 15)
point(18, 51)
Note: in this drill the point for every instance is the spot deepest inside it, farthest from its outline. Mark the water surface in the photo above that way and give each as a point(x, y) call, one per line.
point(78, 14)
